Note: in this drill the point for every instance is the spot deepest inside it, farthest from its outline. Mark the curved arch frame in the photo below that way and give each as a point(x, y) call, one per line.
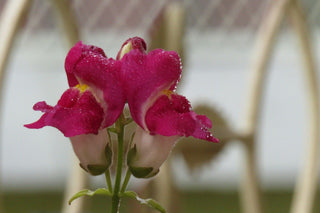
point(11, 18)
point(305, 191)
point(307, 181)
point(13, 14)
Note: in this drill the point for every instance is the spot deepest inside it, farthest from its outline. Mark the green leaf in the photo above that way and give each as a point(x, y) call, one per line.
point(87, 192)
point(149, 202)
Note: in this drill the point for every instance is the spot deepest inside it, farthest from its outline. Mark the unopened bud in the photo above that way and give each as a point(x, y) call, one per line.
point(131, 44)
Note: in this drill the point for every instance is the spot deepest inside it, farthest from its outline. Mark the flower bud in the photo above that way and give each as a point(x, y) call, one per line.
point(131, 44)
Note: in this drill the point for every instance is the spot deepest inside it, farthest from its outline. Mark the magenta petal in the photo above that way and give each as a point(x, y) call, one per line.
point(77, 53)
point(171, 115)
point(88, 65)
point(75, 114)
point(42, 106)
point(147, 75)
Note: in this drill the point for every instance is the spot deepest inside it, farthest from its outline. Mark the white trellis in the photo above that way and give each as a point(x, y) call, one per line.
point(15, 12)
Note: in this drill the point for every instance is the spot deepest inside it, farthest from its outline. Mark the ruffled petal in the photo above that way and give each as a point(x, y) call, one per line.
point(87, 64)
point(146, 75)
point(76, 113)
point(171, 115)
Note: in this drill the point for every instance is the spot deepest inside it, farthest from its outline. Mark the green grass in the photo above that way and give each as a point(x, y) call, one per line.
point(209, 202)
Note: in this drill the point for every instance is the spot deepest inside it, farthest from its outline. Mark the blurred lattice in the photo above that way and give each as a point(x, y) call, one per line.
point(225, 17)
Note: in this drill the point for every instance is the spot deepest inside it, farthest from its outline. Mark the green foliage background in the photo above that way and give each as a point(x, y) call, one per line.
point(209, 202)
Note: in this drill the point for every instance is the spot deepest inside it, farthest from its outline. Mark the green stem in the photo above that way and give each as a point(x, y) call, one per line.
point(108, 179)
point(115, 204)
point(126, 181)
point(115, 198)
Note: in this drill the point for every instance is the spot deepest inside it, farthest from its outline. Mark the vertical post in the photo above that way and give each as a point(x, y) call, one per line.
point(250, 194)
point(13, 14)
point(174, 17)
point(67, 21)
point(77, 178)
point(305, 191)
point(164, 189)
point(11, 18)
point(173, 23)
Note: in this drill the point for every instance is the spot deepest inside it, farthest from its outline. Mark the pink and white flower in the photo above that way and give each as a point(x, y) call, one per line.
point(94, 101)
point(99, 89)
point(163, 116)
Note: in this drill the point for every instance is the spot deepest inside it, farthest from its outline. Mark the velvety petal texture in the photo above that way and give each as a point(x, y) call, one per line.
point(77, 54)
point(146, 76)
point(171, 115)
point(76, 113)
point(87, 64)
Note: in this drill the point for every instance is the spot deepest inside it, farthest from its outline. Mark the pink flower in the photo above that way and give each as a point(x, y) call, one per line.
point(150, 80)
point(94, 102)
point(99, 89)
point(78, 115)
point(87, 64)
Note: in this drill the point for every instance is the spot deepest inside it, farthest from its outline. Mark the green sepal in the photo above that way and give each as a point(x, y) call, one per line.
point(131, 155)
point(138, 172)
point(108, 154)
point(87, 192)
point(152, 174)
point(112, 129)
point(128, 121)
point(96, 169)
point(141, 172)
point(149, 202)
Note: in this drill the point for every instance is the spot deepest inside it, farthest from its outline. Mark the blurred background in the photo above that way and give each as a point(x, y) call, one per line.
point(217, 46)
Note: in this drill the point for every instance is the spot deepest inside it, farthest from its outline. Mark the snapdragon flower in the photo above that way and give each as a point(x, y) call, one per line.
point(162, 115)
point(99, 89)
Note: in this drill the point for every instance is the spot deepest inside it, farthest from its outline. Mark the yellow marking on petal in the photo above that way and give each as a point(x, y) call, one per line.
point(167, 92)
point(125, 49)
point(82, 87)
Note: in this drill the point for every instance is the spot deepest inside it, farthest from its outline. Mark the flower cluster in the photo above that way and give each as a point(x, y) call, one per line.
point(99, 89)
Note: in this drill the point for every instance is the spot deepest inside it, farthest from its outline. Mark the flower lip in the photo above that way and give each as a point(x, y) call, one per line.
point(75, 114)
point(170, 116)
